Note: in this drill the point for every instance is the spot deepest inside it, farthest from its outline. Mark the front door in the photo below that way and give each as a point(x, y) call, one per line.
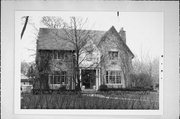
point(88, 77)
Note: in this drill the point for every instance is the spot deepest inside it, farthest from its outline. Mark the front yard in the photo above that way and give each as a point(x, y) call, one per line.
point(98, 100)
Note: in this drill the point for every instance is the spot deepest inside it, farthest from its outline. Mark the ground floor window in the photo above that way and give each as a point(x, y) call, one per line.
point(58, 78)
point(113, 77)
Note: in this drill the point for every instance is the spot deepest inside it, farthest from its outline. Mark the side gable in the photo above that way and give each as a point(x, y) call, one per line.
point(52, 39)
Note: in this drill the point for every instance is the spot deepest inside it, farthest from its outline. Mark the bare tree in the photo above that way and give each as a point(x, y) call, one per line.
point(74, 33)
point(52, 21)
point(145, 74)
point(24, 68)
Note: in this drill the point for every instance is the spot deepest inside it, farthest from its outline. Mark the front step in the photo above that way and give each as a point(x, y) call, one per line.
point(89, 91)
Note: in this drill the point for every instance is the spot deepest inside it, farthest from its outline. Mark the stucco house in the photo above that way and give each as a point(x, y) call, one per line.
point(110, 63)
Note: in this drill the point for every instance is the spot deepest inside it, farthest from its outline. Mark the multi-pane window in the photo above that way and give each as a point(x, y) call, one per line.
point(89, 57)
point(58, 78)
point(113, 55)
point(60, 55)
point(113, 77)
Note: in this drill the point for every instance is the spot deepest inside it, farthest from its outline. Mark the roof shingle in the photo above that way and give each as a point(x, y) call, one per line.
point(54, 39)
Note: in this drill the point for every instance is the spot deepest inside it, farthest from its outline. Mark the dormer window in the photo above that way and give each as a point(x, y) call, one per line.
point(113, 55)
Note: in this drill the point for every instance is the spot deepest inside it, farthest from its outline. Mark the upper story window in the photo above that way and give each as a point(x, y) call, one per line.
point(113, 55)
point(89, 57)
point(60, 55)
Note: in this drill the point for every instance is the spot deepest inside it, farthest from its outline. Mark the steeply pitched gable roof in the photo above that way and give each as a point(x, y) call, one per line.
point(54, 39)
point(49, 39)
point(112, 30)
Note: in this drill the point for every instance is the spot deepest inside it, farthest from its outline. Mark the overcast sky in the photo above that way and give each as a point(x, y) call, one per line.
point(144, 30)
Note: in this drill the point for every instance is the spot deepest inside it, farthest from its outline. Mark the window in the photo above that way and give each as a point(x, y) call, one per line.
point(89, 57)
point(113, 77)
point(59, 55)
point(58, 78)
point(113, 55)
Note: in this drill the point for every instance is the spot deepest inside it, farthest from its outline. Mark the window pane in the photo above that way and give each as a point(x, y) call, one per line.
point(62, 79)
point(56, 79)
point(118, 79)
point(106, 73)
point(55, 55)
point(66, 56)
point(59, 55)
point(112, 79)
point(113, 55)
point(107, 79)
point(112, 73)
point(66, 80)
point(51, 79)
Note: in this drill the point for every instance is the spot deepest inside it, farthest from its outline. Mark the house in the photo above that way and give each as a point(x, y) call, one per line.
point(109, 63)
point(26, 84)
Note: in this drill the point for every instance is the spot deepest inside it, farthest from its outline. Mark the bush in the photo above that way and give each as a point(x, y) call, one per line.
point(141, 81)
point(103, 87)
point(62, 88)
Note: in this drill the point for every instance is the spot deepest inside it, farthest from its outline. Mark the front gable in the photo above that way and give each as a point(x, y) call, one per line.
point(113, 50)
point(112, 40)
point(90, 55)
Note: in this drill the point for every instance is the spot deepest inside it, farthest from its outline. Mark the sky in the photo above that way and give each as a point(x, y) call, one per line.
point(144, 30)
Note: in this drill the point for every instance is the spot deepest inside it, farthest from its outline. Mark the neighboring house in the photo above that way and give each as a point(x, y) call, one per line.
point(110, 62)
point(26, 84)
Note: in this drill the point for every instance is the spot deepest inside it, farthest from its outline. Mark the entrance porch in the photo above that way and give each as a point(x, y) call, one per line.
point(90, 79)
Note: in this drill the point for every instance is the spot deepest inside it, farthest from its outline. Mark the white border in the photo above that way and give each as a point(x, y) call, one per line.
point(17, 99)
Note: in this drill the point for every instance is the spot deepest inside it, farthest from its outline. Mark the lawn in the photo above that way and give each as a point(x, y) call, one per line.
point(100, 100)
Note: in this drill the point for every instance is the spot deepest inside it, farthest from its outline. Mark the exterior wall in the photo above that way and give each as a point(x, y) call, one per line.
point(99, 61)
point(59, 65)
point(110, 44)
point(64, 65)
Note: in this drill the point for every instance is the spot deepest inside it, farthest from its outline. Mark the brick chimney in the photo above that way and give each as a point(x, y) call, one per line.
point(122, 33)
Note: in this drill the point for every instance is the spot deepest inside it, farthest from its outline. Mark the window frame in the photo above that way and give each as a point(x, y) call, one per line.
point(59, 80)
point(59, 55)
point(116, 75)
point(111, 53)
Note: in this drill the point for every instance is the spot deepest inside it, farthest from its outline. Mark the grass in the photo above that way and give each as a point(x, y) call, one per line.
point(68, 100)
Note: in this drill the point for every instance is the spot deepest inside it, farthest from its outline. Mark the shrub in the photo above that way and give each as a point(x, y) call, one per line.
point(141, 81)
point(103, 87)
point(62, 88)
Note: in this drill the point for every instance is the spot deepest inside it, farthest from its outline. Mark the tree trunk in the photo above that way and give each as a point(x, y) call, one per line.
point(78, 86)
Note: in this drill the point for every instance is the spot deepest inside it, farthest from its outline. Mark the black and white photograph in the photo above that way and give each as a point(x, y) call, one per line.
point(105, 60)
point(89, 59)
